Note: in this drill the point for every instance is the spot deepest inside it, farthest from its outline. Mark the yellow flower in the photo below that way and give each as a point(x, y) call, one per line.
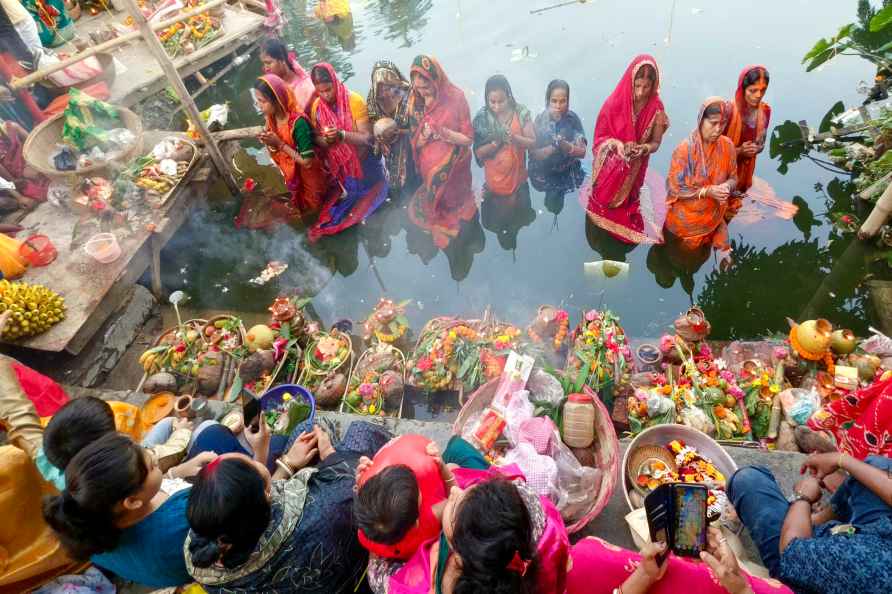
point(757, 382)
point(286, 396)
point(372, 409)
point(774, 388)
point(453, 335)
point(503, 338)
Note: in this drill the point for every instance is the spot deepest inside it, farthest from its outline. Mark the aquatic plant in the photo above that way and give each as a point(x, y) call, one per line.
point(869, 38)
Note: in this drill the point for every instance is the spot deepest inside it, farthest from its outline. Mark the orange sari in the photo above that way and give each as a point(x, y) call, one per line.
point(507, 169)
point(746, 126)
point(308, 185)
point(696, 219)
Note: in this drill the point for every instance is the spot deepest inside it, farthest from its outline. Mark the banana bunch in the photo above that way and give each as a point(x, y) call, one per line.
point(34, 309)
point(155, 359)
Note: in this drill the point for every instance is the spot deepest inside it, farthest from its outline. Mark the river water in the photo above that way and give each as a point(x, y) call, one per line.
point(514, 261)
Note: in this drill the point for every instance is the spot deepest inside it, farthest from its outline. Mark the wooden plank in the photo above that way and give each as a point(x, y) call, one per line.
point(18, 83)
point(173, 77)
point(92, 290)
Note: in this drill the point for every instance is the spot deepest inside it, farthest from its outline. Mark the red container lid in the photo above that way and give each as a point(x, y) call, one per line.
point(583, 398)
point(38, 250)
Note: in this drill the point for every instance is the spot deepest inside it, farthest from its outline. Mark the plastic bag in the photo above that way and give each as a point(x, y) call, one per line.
point(87, 120)
point(577, 485)
point(544, 387)
point(518, 411)
point(64, 158)
point(119, 139)
point(12, 265)
point(799, 405)
point(541, 471)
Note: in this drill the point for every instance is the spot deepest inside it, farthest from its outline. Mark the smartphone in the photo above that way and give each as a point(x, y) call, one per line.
point(676, 515)
point(251, 411)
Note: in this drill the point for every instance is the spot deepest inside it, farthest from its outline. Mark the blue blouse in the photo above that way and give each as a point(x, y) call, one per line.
point(151, 552)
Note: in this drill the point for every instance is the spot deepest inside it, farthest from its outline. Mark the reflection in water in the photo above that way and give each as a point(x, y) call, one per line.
point(673, 261)
point(505, 216)
point(400, 20)
point(608, 246)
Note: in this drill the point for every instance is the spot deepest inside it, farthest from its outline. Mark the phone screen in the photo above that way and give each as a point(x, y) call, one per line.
point(251, 411)
point(690, 520)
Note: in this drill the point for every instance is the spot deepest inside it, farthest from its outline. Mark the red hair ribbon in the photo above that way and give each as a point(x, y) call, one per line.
point(518, 565)
point(212, 465)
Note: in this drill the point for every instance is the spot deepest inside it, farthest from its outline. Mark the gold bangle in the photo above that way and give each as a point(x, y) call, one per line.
point(284, 466)
point(840, 461)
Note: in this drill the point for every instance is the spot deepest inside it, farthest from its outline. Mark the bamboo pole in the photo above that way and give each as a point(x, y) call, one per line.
point(38, 75)
point(878, 216)
point(157, 50)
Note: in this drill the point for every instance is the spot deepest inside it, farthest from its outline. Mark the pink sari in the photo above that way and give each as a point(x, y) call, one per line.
point(616, 182)
point(598, 567)
point(416, 576)
point(302, 86)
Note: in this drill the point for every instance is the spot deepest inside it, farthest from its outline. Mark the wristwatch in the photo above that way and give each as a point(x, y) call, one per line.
point(796, 496)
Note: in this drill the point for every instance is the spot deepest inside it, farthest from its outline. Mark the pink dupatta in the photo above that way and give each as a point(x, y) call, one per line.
point(616, 182)
point(341, 158)
point(303, 86)
point(552, 555)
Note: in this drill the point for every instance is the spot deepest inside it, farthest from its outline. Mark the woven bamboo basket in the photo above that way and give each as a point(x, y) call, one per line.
point(311, 378)
point(401, 361)
point(605, 447)
point(41, 144)
point(195, 324)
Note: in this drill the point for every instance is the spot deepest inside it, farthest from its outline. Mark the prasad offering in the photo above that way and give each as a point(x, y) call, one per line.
point(377, 383)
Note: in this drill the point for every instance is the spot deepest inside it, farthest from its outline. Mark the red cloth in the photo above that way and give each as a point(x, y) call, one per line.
point(409, 450)
point(46, 395)
point(616, 182)
point(341, 157)
point(14, 162)
point(10, 68)
point(445, 198)
point(860, 421)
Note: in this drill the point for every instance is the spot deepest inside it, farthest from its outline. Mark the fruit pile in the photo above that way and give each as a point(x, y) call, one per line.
point(34, 308)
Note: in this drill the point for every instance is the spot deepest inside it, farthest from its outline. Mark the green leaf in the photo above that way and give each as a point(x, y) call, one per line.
point(881, 20)
point(235, 389)
point(820, 47)
point(285, 331)
point(402, 320)
point(465, 367)
point(834, 111)
point(844, 31)
point(581, 377)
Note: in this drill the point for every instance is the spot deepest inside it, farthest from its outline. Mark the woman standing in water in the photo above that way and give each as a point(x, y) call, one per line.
point(629, 130)
point(341, 122)
point(555, 162)
point(503, 131)
point(288, 137)
point(748, 123)
point(276, 59)
point(702, 176)
point(440, 124)
point(389, 99)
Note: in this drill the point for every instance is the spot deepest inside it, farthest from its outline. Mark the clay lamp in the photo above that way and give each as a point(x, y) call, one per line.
point(843, 342)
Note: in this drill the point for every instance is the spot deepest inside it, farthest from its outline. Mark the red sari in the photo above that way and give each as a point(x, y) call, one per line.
point(694, 218)
point(616, 182)
point(746, 126)
point(445, 198)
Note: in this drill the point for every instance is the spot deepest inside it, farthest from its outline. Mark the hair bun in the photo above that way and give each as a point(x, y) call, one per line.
point(204, 551)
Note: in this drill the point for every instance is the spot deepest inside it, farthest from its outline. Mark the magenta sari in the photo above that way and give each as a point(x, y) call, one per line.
point(552, 555)
point(616, 182)
point(599, 567)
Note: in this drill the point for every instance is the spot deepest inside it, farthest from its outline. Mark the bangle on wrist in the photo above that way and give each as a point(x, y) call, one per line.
point(281, 463)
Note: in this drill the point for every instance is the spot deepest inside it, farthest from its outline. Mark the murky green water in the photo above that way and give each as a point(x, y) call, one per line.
point(514, 261)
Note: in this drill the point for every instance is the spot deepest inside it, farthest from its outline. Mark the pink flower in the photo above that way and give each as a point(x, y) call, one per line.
point(366, 390)
point(781, 353)
point(727, 376)
point(250, 184)
point(561, 315)
point(591, 315)
point(425, 363)
point(666, 343)
point(279, 348)
point(735, 391)
point(705, 350)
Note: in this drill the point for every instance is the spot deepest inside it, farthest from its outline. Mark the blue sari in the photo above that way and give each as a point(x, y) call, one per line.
point(558, 173)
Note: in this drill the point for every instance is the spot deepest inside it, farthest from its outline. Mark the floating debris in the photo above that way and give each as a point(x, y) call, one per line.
point(272, 270)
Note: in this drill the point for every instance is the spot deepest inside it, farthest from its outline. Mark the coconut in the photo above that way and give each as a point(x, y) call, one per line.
point(210, 373)
point(392, 384)
point(256, 365)
point(160, 382)
point(330, 391)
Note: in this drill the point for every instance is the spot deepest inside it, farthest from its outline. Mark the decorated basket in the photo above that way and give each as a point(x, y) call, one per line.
point(605, 448)
point(398, 366)
point(316, 377)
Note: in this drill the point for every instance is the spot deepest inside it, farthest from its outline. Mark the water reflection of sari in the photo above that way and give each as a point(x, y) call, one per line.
point(616, 182)
point(507, 168)
point(694, 217)
point(507, 215)
point(308, 185)
point(560, 172)
point(360, 175)
point(746, 125)
point(445, 198)
point(398, 154)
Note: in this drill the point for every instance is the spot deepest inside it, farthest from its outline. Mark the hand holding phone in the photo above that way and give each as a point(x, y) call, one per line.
point(676, 515)
point(251, 412)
